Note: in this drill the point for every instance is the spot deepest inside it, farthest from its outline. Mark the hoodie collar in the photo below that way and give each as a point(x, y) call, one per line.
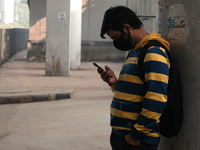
point(153, 36)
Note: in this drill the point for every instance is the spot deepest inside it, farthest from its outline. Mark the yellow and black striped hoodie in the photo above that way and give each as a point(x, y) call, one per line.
point(136, 108)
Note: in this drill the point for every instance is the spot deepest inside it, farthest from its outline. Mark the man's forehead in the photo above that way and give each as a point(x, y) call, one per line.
point(112, 33)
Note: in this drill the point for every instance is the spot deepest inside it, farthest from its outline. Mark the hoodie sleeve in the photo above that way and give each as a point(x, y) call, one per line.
point(156, 68)
point(113, 86)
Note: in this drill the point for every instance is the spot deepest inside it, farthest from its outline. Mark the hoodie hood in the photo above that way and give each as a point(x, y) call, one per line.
point(153, 36)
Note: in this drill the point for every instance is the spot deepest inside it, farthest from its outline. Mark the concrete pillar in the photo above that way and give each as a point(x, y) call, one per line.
point(75, 34)
point(181, 26)
point(57, 38)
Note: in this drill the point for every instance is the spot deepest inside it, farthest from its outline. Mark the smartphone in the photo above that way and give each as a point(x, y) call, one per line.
point(98, 67)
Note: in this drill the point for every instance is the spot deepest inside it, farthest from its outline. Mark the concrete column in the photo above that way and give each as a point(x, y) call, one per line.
point(57, 39)
point(181, 26)
point(75, 34)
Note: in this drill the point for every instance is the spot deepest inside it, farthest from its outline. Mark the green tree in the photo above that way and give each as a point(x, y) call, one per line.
point(24, 1)
point(22, 11)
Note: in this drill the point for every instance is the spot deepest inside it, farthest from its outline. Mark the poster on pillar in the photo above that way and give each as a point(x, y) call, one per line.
point(177, 25)
point(62, 16)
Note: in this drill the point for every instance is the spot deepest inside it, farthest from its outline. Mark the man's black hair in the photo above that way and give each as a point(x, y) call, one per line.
point(116, 17)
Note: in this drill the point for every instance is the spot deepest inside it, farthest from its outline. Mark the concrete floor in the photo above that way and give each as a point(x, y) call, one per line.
point(79, 123)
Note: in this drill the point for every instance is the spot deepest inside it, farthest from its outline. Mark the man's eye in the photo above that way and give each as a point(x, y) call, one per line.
point(114, 38)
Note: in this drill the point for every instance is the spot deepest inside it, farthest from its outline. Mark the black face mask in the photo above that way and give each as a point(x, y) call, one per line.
point(121, 44)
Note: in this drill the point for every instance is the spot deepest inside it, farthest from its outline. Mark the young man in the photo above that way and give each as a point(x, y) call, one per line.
point(136, 106)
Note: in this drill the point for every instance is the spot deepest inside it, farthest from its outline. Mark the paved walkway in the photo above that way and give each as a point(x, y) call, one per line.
point(73, 112)
point(22, 81)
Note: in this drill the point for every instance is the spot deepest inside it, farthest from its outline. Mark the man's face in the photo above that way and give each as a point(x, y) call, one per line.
point(121, 40)
point(113, 34)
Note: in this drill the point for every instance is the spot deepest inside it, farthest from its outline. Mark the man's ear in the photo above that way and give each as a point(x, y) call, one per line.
point(127, 28)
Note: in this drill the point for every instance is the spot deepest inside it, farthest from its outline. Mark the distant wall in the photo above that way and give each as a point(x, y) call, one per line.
point(100, 51)
point(93, 47)
point(37, 20)
point(37, 32)
point(11, 42)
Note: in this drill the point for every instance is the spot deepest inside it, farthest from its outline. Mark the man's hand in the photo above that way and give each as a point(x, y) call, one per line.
point(131, 140)
point(108, 76)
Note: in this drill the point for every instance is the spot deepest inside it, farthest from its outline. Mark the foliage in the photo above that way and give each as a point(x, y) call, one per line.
point(24, 1)
point(22, 10)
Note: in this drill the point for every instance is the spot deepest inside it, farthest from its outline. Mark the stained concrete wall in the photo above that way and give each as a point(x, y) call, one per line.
point(181, 26)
